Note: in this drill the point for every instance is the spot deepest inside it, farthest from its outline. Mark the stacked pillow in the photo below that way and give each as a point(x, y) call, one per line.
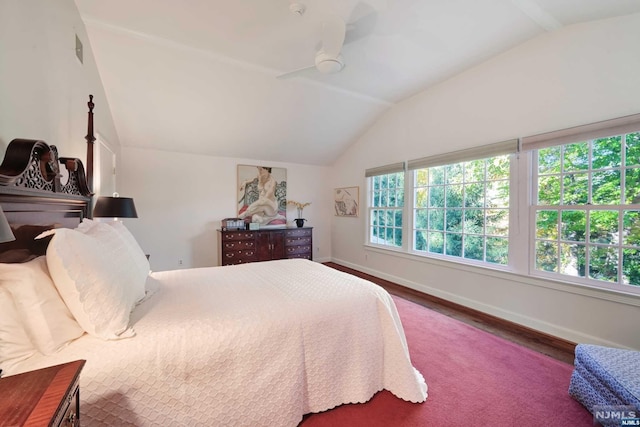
point(100, 272)
point(15, 344)
point(34, 318)
point(89, 281)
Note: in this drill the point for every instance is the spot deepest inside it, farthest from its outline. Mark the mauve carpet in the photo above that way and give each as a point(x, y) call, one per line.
point(474, 379)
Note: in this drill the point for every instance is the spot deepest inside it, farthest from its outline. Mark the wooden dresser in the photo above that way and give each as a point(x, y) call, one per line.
point(44, 397)
point(239, 247)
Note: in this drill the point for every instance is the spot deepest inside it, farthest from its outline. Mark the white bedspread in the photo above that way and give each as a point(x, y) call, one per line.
point(252, 345)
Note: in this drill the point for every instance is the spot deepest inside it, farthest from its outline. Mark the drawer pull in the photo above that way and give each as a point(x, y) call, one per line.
point(301, 240)
point(71, 419)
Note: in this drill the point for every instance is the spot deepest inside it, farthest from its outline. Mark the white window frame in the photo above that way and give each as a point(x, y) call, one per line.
point(464, 209)
point(522, 218)
point(603, 129)
point(371, 174)
point(475, 153)
point(588, 209)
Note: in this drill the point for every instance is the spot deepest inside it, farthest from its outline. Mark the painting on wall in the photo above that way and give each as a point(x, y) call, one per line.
point(347, 201)
point(262, 195)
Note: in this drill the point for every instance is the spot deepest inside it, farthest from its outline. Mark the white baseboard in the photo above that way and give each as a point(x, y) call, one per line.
point(529, 322)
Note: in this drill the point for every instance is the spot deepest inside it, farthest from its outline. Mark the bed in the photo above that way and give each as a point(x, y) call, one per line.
point(258, 344)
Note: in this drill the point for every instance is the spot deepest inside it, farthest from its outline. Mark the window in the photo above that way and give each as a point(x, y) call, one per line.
point(462, 210)
point(586, 208)
point(566, 208)
point(386, 208)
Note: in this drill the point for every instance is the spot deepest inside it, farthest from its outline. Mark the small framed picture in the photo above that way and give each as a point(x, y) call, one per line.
point(347, 201)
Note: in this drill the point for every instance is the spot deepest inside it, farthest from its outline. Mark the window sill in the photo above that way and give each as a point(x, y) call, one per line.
point(505, 274)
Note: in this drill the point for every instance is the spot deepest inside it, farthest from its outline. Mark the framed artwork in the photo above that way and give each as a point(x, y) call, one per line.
point(262, 195)
point(346, 201)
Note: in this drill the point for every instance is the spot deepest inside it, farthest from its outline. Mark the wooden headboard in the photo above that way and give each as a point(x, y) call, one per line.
point(39, 188)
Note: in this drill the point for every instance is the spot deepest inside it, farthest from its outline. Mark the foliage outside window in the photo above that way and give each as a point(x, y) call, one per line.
point(587, 209)
point(385, 209)
point(462, 210)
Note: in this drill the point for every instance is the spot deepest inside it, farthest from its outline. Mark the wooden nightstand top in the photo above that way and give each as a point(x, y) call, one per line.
point(34, 398)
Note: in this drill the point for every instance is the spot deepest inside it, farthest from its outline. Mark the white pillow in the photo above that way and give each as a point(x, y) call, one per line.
point(85, 225)
point(45, 317)
point(135, 251)
point(105, 231)
point(91, 272)
point(15, 345)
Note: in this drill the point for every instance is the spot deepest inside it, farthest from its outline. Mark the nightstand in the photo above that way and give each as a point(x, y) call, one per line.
point(44, 397)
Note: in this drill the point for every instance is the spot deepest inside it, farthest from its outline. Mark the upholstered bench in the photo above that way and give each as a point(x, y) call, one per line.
point(605, 376)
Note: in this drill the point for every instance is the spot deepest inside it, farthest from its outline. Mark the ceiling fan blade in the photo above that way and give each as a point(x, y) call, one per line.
point(333, 33)
point(300, 72)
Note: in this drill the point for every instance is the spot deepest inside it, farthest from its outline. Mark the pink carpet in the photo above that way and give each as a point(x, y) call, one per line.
point(474, 379)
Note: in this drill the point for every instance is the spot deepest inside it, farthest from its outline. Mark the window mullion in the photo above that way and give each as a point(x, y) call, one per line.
point(590, 175)
point(521, 212)
point(408, 211)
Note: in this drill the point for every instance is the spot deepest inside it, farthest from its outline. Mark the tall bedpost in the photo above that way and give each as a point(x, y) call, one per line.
point(90, 140)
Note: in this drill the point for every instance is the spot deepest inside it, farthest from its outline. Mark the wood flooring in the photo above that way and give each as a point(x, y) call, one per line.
point(555, 347)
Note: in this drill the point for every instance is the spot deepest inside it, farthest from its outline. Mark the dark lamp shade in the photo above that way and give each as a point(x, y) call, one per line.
point(115, 207)
point(6, 235)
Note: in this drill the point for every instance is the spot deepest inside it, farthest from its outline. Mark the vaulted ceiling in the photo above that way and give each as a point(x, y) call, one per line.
point(211, 76)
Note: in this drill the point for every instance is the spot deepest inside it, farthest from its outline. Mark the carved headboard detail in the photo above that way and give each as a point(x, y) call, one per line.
point(35, 165)
point(35, 194)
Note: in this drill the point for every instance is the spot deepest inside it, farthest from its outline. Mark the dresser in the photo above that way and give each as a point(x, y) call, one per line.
point(44, 397)
point(239, 247)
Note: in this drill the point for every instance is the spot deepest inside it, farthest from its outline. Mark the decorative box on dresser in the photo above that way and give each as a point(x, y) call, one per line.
point(242, 246)
point(44, 397)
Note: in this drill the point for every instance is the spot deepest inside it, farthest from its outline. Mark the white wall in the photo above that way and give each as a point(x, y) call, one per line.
point(181, 198)
point(577, 75)
point(44, 89)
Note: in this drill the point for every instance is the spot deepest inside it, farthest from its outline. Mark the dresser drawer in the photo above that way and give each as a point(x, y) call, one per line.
point(305, 256)
point(239, 257)
point(298, 250)
point(297, 241)
point(298, 232)
point(237, 235)
point(235, 245)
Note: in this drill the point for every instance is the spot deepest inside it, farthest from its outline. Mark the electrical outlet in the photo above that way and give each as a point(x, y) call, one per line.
point(179, 262)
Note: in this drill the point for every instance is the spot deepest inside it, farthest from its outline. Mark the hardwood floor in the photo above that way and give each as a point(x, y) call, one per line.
point(555, 347)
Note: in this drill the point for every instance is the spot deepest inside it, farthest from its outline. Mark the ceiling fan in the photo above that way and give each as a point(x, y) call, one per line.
point(328, 59)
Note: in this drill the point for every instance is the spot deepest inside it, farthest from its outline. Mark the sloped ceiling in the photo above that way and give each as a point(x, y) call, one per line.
point(205, 76)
